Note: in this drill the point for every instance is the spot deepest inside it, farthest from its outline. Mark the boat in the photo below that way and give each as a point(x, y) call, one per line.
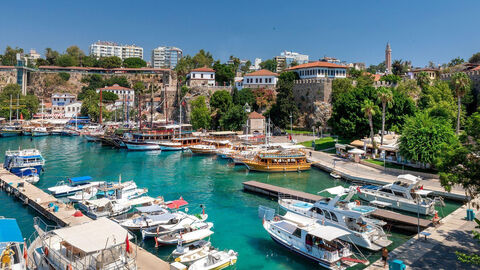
point(148, 221)
point(39, 131)
point(137, 145)
point(10, 131)
point(405, 194)
point(27, 130)
point(29, 175)
point(215, 260)
point(335, 175)
point(56, 131)
point(179, 144)
point(184, 222)
point(73, 185)
point(15, 160)
point(104, 207)
point(121, 190)
point(194, 252)
point(84, 194)
point(182, 249)
point(209, 147)
point(194, 232)
point(100, 244)
point(343, 213)
point(305, 236)
point(12, 245)
point(278, 161)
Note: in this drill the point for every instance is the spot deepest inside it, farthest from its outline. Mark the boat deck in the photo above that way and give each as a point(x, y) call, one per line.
point(40, 201)
point(392, 218)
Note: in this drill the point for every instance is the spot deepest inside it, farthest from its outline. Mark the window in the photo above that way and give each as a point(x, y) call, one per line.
point(318, 211)
point(261, 80)
point(256, 80)
point(334, 217)
point(201, 76)
point(297, 233)
point(327, 215)
point(193, 75)
point(211, 76)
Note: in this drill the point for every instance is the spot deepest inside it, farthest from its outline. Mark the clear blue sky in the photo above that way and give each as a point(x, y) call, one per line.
point(356, 31)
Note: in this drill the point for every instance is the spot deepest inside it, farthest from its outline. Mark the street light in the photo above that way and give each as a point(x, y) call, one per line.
point(247, 109)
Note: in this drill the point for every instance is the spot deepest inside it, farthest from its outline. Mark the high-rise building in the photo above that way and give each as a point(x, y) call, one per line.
point(286, 58)
point(107, 49)
point(388, 59)
point(166, 57)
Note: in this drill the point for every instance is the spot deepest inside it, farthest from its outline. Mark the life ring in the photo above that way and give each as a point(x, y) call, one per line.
point(45, 251)
point(357, 202)
point(69, 267)
point(276, 218)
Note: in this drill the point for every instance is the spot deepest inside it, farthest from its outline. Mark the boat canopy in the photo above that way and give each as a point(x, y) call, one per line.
point(335, 190)
point(298, 219)
point(177, 203)
point(9, 231)
point(94, 236)
point(162, 217)
point(328, 233)
point(408, 177)
point(356, 151)
point(150, 209)
point(75, 180)
point(423, 192)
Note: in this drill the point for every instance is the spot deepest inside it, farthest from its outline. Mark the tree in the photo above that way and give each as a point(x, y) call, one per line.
point(475, 58)
point(245, 96)
point(65, 60)
point(28, 104)
point(51, 56)
point(354, 73)
point(9, 57)
point(41, 62)
point(90, 104)
point(391, 78)
point(220, 102)
point(402, 107)
point(111, 62)
point(285, 106)
point(183, 67)
point(423, 79)
point(134, 62)
point(90, 61)
point(400, 67)
point(246, 67)
point(423, 136)
point(456, 61)
point(409, 88)
point(64, 75)
point(341, 85)
point(109, 97)
point(224, 74)
point(374, 69)
point(76, 53)
point(385, 96)
point(234, 118)
point(263, 98)
point(269, 64)
point(200, 115)
point(461, 84)
point(369, 109)
point(120, 80)
point(202, 59)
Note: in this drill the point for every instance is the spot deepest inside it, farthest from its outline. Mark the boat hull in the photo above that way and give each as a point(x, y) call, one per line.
point(39, 134)
point(142, 146)
point(397, 204)
point(277, 168)
point(17, 170)
point(9, 133)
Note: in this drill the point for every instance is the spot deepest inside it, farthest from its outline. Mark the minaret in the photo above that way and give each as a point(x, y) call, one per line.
point(388, 59)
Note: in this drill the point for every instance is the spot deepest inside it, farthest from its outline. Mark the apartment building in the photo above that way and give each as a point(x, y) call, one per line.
point(286, 58)
point(166, 57)
point(107, 49)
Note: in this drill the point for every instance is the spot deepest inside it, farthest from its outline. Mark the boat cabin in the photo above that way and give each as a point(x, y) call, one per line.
point(187, 141)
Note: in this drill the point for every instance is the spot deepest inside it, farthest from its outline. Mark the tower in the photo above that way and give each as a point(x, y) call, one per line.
point(388, 59)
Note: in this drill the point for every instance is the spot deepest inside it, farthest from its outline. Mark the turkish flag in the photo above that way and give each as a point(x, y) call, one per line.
point(21, 116)
point(127, 244)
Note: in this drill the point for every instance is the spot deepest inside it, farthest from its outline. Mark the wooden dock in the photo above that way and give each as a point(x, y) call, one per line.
point(40, 201)
point(394, 219)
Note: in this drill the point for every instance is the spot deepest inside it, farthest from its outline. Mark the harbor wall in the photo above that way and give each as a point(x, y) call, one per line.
point(398, 171)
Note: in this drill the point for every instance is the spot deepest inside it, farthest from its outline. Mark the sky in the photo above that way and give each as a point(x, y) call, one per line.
point(352, 31)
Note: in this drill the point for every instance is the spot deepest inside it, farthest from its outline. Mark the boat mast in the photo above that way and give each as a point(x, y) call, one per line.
point(18, 97)
point(180, 119)
point(10, 109)
point(42, 112)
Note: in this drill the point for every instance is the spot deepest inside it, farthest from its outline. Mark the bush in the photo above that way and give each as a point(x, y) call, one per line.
point(65, 76)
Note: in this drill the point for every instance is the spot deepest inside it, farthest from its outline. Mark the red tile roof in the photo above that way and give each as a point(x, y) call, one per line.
point(116, 87)
point(262, 72)
point(255, 115)
point(203, 69)
point(317, 64)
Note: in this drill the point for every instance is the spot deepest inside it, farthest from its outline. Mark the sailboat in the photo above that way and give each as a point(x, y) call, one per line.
point(40, 131)
point(11, 130)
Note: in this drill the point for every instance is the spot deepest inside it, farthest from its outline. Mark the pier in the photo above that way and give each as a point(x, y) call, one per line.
point(392, 218)
point(63, 215)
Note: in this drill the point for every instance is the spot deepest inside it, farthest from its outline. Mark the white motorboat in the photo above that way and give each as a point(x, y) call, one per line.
point(29, 175)
point(185, 222)
point(148, 221)
point(342, 212)
point(188, 248)
point(194, 255)
point(121, 190)
point(405, 194)
point(194, 232)
point(40, 131)
point(215, 260)
point(84, 194)
point(73, 185)
point(308, 238)
point(138, 145)
point(335, 175)
point(104, 207)
point(12, 245)
point(100, 244)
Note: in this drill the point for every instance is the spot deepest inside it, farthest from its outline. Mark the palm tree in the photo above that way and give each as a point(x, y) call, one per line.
point(461, 85)
point(369, 109)
point(385, 96)
point(423, 79)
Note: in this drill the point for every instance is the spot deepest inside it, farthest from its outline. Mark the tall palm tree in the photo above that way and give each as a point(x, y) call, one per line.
point(423, 79)
point(369, 109)
point(461, 85)
point(385, 96)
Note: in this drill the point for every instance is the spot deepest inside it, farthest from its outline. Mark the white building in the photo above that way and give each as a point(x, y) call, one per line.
point(256, 64)
point(320, 69)
point(166, 57)
point(61, 100)
point(201, 77)
point(260, 79)
point(107, 49)
point(125, 95)
point(73, 109)
point(286, 58)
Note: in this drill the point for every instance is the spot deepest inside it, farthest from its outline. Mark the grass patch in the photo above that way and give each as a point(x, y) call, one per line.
point(298, 131)
point(400, 167)
point(325, 143)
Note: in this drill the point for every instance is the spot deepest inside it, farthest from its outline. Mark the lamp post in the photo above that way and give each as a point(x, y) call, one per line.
point(247, 109)
point(291, 124)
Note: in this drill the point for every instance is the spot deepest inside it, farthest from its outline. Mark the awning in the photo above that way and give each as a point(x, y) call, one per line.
point(356, 151)
point(94, 236)
point(298, 219)
point(9, 231)
point(177, 203)
point(335, 190)
point(328, 233)
point(408, 177)
point(80, 179)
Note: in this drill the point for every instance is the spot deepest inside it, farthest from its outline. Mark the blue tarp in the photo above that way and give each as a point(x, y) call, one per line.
point(9, 231)
point(80, 179)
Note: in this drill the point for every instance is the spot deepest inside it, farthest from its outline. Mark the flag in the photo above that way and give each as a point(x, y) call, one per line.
point(25, 253)
point(358, 190)
point(127, 244)
point(21, 116)
point(183, 103)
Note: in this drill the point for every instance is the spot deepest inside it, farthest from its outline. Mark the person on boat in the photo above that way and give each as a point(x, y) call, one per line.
point(384, 256)
point(6, 256)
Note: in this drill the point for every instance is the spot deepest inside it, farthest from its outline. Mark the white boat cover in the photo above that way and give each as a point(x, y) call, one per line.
point(328, 233)
point(423, 192)
point(298, 219)
point(98, 202)
point(94, 236)
point(335, 190)
point(408, 177)
point(140, 200)
point(150, 209)
point(356, 151)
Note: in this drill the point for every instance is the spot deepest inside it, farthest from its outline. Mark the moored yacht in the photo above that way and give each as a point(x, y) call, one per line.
point(179, 144)
point(73, 185)
point(138, 145)
point(209, 147)
point(278, 161)
point(40, 131)
point(104, 207)
point(29, 175)
point(15, 160)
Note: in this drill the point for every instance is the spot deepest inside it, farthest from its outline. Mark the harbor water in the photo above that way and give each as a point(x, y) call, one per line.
point(206, 180)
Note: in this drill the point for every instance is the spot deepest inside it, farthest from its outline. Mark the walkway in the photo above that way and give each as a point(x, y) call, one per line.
point(438, 251)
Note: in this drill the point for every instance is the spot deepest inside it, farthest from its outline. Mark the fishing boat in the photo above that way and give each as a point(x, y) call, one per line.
point(215, 260)
point(405, 194)
point(15, 160)
point(194, 232)
point(278, 161)
point(84, 194)
point(73, 185)
point(12, 245)
point(310, 239)
point(40, 131)
point(27, 130)
point(10, 131)
point(184, 222)
point(138, 145)
point(343, 213)
point(100, 244)
point(194, 253)
point(209, 147)
point(104, 207)
point(182, 249)
point(179, 144)
point(29, 175)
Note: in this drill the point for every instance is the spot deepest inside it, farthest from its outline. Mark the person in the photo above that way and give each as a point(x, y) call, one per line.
point(384, 256)
point(6, 256)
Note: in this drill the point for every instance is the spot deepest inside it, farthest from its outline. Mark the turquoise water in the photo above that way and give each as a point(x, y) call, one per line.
point(199, 179)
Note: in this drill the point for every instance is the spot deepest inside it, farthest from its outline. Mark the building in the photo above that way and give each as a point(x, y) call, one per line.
point(107, 49)
point(33, 55)
point(260, 79)
point(320, 69)
point(330, 60)
point(201, 77)
point(60, 101)
point(286, 58)
point(166, 57)
point(431, 72)
point(73, 109)
point(388, 59)
point(125, 95)
point(255, 123)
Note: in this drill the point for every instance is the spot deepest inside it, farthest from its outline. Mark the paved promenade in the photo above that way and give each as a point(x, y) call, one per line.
point(438, 251)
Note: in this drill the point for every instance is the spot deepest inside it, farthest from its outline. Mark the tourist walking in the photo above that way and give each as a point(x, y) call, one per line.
point(384, 256)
